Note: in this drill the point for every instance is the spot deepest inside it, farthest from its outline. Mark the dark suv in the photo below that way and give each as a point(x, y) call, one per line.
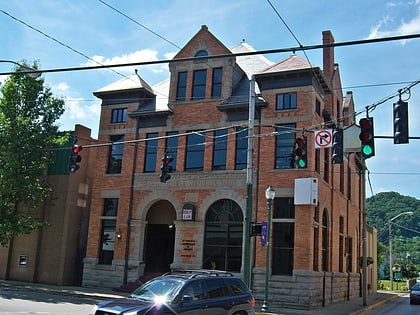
point(185, 292)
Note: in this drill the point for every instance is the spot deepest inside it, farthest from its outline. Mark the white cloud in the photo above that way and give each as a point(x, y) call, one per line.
point(405, 27)
point(143, 55)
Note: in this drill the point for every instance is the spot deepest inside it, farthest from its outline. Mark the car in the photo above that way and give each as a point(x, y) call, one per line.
point(201, 292)
point(415, 294)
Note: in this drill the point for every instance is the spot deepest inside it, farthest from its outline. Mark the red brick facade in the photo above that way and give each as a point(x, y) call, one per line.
point(327, 236)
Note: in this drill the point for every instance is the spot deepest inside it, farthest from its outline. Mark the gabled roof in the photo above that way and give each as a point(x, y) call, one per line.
point(132, 82)
point(292, 62)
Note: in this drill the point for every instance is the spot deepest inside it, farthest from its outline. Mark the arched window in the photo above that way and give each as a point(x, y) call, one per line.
point(223, 236)
point(325, 240)
point(201, 53)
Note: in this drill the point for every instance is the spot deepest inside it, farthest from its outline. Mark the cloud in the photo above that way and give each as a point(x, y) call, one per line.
point(143, 55)
point(405, 27)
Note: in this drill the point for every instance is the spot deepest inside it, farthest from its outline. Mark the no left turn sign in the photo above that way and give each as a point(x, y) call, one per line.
point(323, 138)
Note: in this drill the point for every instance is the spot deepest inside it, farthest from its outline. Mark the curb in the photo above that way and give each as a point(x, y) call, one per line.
point(375, 305)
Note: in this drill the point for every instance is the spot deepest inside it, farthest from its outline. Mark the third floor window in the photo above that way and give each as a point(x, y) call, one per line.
point(199, 84)
point(286, 101)
point(181, 91)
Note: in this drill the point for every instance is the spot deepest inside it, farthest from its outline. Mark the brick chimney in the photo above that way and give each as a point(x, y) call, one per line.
point(328, 54)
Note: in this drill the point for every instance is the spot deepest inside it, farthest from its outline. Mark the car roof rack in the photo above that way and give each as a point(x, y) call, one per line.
point(199, 272)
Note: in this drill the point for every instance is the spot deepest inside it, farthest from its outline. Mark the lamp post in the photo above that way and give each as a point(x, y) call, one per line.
point(270, 193)
point(390, 246)
point(33, 73)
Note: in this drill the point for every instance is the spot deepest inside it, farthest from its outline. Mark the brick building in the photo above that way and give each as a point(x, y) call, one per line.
point(199, 116)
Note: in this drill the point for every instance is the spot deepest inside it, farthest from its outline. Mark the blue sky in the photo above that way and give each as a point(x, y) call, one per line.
point(372, 71)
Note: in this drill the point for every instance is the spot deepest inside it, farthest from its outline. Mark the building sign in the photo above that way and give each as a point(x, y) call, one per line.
point(23, 260)
point(188, 248)
point(188, 212)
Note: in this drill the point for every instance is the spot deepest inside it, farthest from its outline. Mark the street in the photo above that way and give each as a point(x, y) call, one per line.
point(400, 306)
point(22, 301)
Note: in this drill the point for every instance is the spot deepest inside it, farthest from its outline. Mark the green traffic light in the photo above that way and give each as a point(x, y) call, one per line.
point(367, 150)
point(301, 163)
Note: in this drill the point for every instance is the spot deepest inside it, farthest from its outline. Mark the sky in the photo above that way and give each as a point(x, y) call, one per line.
point(66, 34)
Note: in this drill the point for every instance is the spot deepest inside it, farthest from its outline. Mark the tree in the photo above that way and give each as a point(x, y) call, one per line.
point(28, 112)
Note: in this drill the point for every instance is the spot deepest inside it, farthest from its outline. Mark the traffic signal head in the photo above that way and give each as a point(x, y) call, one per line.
point(75, 158)
point(400, 122)
point(366, 136)
point(166, 168)
point(337, 146)
point(301, 152)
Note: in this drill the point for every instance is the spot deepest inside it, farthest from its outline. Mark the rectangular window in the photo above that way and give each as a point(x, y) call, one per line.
point(194, 156)
point(219, 150)
point(286, 101)
point(199, 84)
point(115, 155)
point(108, 231)
point(172, 147)
point(241, 149)
point(119, 115)
point(181, 90)
point(285, 146)
point(318, 106)
point(216, 87)
point(150, 158)
point(283, 236)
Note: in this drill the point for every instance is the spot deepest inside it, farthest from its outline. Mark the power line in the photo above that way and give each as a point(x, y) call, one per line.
point(230, 55)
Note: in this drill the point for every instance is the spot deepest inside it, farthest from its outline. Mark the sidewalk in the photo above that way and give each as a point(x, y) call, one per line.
point(353, 307)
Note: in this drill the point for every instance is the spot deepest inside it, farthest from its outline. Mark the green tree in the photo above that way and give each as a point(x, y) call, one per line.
point(28, 113)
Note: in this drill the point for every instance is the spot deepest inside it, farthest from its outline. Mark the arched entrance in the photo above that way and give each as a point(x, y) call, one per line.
point(160, 237)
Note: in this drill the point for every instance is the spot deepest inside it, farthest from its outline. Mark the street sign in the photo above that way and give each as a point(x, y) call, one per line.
point(323, 138)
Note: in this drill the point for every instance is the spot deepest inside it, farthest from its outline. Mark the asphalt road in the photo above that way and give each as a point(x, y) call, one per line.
point(21, 301)
point(400, 306)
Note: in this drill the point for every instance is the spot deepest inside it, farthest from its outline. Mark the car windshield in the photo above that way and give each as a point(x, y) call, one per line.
point(158, 290)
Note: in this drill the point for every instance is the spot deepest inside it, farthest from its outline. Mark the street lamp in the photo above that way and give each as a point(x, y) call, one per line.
point(270, 193)
point(390, 246)
point(33, 73)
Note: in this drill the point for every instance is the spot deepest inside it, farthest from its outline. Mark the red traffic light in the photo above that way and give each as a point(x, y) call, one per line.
point(366, 127)
point(77, 148)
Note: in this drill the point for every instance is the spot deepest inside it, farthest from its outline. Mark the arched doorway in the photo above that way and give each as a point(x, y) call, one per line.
point(160, 237)
point(223, 236)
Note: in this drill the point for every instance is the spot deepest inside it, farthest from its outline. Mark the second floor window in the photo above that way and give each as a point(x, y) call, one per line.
point(241, 148)
point(115, 155)
point(286, 101)
point(150, 158)
point(119, 115)
point(181, 91)
point(172, 147)
point(199, 84)
point(285, 146)
point(194, 156)
point(216, 87)
point(219, 150)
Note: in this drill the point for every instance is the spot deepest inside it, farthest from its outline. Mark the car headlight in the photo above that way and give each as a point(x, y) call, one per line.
point(93, 310)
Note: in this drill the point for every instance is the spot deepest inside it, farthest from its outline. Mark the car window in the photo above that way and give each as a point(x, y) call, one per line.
point(237, 286)
point(158, 289)
point(216, 288)
point(195, 290)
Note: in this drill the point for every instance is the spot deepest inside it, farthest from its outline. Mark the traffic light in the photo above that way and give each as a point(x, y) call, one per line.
point(301, 152)
point(367, 138)
point(75, 158)
point(337, 146)
point(400, 122)
point(166, 168)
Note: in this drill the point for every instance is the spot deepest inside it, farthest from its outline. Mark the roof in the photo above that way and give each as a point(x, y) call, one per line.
point(251, 64)
point(292, 62)
point(132, 82)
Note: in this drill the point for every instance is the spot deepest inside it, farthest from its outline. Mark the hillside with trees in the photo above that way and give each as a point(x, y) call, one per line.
point(384, 206)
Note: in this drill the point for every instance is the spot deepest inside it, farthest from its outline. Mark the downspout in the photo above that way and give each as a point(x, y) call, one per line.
point(130, 207)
